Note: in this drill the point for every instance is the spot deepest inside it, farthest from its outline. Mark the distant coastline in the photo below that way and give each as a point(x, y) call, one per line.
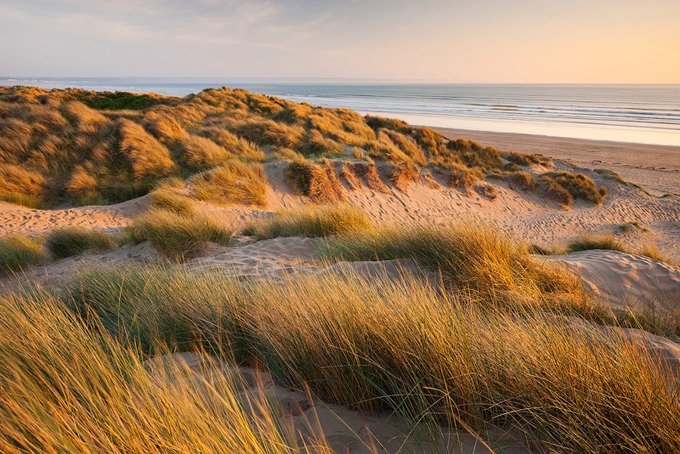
point(655, 167)
point(647, 114)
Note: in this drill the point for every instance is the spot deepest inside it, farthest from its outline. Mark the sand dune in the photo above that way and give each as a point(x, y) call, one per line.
point(655, 167)
point(625, 280)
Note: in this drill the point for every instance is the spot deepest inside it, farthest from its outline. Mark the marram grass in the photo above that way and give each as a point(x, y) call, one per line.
point(408, 347)
point(68, 387)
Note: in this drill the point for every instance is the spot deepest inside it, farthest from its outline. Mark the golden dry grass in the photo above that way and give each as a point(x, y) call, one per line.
point(170, 199)
point(314, 221)
point(126, 142)
point(69, 387)
point(70, 241)
point(18, 253)
point(408, 347)
point(464, 178)
point(178, 236)
point(22, 186)
point(235, 182)
point(202, 153)
point(147, 156)
point(317, 181)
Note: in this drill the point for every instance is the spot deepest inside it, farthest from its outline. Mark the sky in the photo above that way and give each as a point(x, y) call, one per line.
point(502, 41)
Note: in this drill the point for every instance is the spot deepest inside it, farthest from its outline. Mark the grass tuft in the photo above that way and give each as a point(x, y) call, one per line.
point(71, 387)
point(320, 221)
point(18, 253)
point(170, 200)
point(234, 183)
point(589, 242)
point(71, 241)
point(477, 258)
point(429, 355)
point(178, 236)
point(578, 185)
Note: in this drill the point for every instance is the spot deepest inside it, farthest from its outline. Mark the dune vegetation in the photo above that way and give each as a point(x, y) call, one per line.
point(324, 221)
point(80, 147)
point(456, 327)
point(437, 357)
point(178, 235)
point(70, 241)
point(18, 253)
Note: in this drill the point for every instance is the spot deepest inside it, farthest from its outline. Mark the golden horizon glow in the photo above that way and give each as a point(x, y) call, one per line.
point(527, 41)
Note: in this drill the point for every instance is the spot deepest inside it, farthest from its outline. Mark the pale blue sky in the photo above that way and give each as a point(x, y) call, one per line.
point(459, 41)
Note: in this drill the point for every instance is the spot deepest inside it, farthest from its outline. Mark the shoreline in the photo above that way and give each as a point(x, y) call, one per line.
point(654, 167)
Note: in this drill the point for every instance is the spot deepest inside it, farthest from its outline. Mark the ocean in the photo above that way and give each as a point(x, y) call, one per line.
point(624, 113)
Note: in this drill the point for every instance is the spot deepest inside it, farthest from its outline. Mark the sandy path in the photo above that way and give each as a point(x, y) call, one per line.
point(19, 219)
point(655, 167)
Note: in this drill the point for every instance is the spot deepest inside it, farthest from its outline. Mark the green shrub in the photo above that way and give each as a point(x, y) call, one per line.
point(19, 252)
point(177, 236)
point(312, 222)
point(72, 241)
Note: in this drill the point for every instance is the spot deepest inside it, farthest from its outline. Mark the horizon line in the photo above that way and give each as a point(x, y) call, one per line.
point(329, 80)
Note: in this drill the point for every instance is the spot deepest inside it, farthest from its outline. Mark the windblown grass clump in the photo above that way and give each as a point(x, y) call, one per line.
point(578, 185)
point(521, 180)
point(178, 236)
point(18, 253)
point(476, 258)
point(321, 221)
point(554, 191)
point(268, 132)
point(147, 156)
point(525, 159)
point(427, 355)
point(202, 153)
point(473, 154)
point(72, 241)
point(315, 144)
point(171, 200)
point(650, 250)
point(70, 387)
point(318, 182)
point(404, 176)
point(588, 242)
point(486, 190)
point(21, 186)
point(464, 178)
point(388, 123)
point(83, 187)
point(236, 182)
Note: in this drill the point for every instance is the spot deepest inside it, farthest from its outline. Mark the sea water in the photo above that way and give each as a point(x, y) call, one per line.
point(625, 113)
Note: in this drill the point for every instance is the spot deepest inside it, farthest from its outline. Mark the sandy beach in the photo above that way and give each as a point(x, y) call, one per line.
point(655, 167)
